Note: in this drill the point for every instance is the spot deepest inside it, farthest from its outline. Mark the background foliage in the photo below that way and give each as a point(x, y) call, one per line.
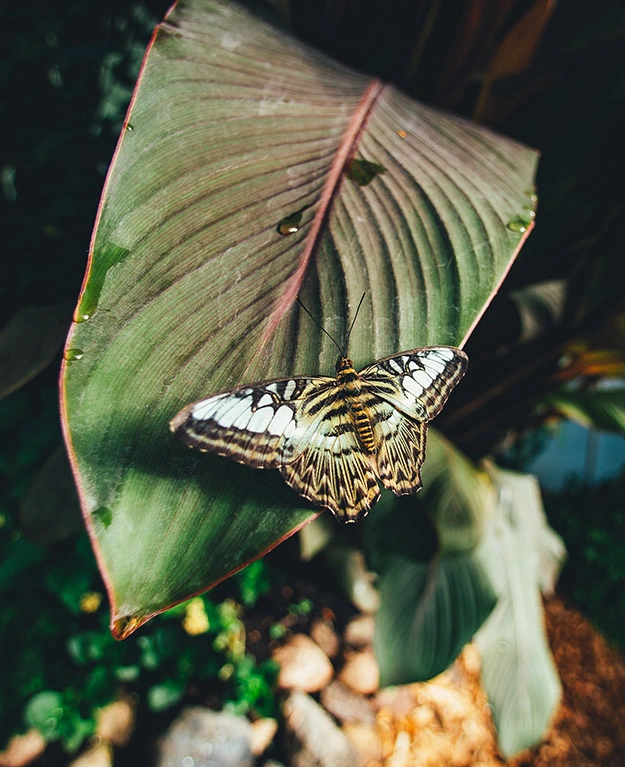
point(547, 74)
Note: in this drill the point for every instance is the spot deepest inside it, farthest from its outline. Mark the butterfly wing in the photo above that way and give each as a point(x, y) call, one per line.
point(406, 391)
point(255, 425)
point(296, 425)
point(332, 468)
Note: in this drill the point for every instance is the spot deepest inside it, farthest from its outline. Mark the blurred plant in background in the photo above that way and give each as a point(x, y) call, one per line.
point(545, 73)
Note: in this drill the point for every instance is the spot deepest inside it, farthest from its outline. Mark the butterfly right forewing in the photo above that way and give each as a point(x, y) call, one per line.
point(417, 382)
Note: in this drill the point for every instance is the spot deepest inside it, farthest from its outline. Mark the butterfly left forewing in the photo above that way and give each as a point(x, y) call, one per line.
point(255, 425)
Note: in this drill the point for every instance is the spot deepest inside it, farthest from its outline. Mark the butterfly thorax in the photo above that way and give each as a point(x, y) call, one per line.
point(350, 393)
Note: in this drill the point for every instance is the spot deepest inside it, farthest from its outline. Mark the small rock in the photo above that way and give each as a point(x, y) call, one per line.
point(400, 700)
point(200, 736)
point(98, 756)
point(263, 732)
point(325, 636)
point(23, 749)
point(366, 742)
point(116, 722)
point(360, 672)
point(303, 665)
point(359, 631)
point(346, 705)
point(357, 582)
point(312, 739)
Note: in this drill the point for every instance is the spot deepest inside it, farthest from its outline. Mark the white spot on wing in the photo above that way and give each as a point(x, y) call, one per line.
point(445, 354)
point(229, 415)
point(265, 400)
point(290, 388)
point(204, 410)
point(412, 386)
point(282, 418)
point(434, 364)
point(260, 420)
point(422, 378)
point(394, 365)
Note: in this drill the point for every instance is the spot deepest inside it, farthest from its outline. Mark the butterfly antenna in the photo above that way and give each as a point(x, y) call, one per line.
point(351, 327)
point(318, 324)
point(323, 330)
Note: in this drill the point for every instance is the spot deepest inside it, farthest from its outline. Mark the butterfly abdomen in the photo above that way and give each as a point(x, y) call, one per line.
point(351, 391)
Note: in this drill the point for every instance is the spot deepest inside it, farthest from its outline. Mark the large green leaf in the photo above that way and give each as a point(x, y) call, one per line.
point(247, 175)
point(522, 555)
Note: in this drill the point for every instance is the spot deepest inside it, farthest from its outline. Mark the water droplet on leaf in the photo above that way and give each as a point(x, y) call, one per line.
point(518, 225)
point(363, 171)
point(73, 354)
point(503, 645)
point(103, 515)
point(291, 223)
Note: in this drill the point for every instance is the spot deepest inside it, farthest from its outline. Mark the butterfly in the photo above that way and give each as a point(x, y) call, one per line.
point(333, 438)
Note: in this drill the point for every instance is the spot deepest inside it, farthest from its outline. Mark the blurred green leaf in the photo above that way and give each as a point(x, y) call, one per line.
point(29, 343)
point(459, 497)
point(521, 554)
point(428, 612)
point(165, 695)
point(540, 307)
point(190, 289)
point(253, 582)
point(44, 712)
point(602, 409)
point(50, 511)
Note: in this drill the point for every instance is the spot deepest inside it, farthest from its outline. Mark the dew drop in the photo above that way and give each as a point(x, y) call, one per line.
point(517, 225)
point(81, 316)
point(285, 228)
point(363, 171)
point(129, 127)
point(73, 354)
point(291, 223)
point(103, 515)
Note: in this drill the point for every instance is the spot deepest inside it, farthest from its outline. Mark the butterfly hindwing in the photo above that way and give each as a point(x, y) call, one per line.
point(333, 470)
point(400, 445)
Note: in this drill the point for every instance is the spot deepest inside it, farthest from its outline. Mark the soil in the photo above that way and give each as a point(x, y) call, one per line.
point(589, 728)
point(448, 722)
